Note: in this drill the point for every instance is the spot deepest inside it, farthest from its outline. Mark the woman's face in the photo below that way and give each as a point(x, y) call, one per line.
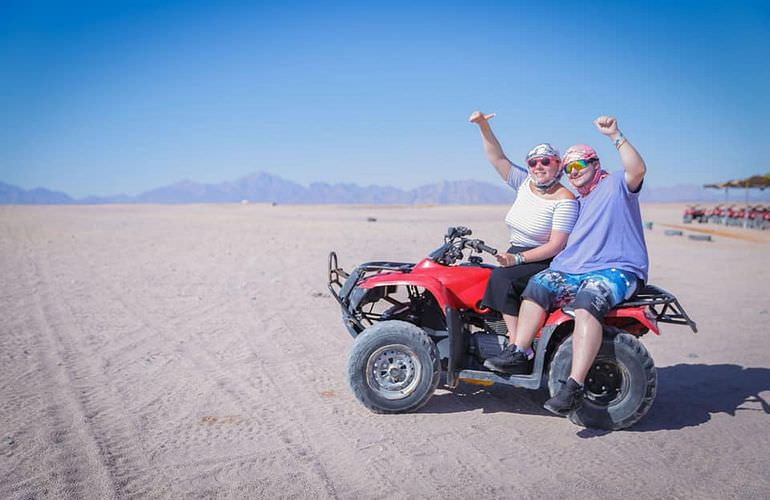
point(541, 172)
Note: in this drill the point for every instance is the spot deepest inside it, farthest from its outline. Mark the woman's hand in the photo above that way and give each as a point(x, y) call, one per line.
point(607, 125)
point(478, 117)
point(506, 259)
point(492, 147)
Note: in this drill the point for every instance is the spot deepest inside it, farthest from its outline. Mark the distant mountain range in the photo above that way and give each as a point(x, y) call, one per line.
point(41, 196)
point(264, 187)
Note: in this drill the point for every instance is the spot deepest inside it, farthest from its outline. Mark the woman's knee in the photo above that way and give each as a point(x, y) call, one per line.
point(539, 294)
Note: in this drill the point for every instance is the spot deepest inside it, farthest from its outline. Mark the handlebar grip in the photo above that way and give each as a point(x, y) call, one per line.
point(487, 249)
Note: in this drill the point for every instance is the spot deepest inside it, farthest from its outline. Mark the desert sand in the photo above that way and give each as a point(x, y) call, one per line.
point(194, 351)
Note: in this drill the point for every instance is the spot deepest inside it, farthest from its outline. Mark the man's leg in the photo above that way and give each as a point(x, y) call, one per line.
point(599, 292)
point(586, 341)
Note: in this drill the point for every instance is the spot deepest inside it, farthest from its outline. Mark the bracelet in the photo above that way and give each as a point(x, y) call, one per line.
point(620, 140)
point(517, 259)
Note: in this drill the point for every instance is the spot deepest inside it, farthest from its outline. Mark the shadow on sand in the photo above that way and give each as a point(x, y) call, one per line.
point(687, 396)
point(492, 399)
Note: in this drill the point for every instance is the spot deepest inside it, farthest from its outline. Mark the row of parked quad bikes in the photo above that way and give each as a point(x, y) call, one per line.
point(755, 217)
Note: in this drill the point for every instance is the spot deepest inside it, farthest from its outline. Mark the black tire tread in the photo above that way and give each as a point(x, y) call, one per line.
point(650, 383)
point(648, 365)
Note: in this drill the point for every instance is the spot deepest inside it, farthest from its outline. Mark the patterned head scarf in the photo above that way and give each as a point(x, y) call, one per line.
point(541, 151)
point(583, 152)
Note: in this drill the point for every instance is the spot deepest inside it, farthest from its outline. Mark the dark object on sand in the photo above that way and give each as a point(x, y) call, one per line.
point(672, 232)
point(411, 322)
point(700, 237)
point(648, 225)
point(371, 219)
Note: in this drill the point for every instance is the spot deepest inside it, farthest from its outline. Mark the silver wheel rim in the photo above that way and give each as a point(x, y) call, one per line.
point(393, 371)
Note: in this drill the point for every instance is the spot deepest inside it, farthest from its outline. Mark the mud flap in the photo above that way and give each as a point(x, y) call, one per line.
point(457, 347)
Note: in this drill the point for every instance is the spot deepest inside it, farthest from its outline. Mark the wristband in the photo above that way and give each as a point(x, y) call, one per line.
point(620, 139)
point(517, 259)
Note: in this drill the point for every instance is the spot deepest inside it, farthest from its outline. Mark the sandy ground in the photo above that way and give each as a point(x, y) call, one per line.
point(194, 352)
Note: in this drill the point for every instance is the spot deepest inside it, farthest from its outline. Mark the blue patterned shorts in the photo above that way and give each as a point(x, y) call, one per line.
point(597, 291)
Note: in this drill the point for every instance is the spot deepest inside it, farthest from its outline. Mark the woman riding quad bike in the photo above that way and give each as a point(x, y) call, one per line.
point(412, 321)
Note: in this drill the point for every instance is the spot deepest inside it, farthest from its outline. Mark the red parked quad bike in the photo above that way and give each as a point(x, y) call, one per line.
point(410, 322)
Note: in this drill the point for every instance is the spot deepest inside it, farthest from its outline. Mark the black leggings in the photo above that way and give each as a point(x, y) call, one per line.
point(506, 284)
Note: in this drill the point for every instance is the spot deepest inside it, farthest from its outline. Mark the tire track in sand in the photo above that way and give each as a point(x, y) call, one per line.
point(405, 447)
point(243, 391)
point(105, 414)
point(74, 465)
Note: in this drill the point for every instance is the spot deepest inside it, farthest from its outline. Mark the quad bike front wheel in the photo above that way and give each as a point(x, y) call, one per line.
point(393, 367)
point(620, 386)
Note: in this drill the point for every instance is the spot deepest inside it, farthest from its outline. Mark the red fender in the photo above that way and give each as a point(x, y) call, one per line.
point(431, 284)
point(460, 287)
point(557, 317)
point(641, 314)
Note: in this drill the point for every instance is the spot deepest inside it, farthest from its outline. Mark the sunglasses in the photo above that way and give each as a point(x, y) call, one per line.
point(578, 165)
point(543, 161)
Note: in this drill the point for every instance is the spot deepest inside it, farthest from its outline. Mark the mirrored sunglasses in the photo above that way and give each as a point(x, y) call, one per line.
point(578, 165)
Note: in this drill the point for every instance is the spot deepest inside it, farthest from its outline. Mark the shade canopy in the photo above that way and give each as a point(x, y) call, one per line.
point(755, 181)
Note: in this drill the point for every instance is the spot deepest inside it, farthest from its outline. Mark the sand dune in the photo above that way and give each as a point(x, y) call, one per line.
point(194, 352)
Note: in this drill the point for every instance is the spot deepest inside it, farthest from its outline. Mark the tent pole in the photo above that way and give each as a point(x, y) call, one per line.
point(746, 216)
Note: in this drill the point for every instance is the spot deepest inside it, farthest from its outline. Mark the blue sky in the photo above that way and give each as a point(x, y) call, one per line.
point(109, 97)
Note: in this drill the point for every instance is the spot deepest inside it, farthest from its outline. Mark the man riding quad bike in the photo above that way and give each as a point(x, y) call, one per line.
point(410, 322)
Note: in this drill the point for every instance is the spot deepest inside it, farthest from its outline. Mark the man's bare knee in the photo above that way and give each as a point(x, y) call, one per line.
point(586, 323)
point(583, 315)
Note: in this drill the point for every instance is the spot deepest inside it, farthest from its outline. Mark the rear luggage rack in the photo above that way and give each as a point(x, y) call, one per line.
point(662, 304)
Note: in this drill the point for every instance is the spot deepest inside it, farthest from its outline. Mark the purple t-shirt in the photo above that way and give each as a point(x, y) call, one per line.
point(608, 232)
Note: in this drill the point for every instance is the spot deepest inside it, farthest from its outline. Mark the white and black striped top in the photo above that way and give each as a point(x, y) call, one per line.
point(531, 218)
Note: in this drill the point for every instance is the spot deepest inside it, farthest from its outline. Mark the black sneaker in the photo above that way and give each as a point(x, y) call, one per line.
point(509, 361)
point(569, 398)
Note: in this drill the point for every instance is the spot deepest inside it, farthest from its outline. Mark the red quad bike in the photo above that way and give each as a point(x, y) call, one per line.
point(694, 213)
point(410, 322)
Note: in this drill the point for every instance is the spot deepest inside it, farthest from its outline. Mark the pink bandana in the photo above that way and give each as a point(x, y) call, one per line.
point(583, 152)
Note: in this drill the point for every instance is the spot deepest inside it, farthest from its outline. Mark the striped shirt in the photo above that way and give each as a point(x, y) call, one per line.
point(531, 218)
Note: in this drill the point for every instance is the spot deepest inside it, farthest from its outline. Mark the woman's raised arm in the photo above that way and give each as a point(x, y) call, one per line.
point(492, 147)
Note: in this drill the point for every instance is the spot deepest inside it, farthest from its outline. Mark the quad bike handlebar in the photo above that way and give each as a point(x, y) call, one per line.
point(455, 242)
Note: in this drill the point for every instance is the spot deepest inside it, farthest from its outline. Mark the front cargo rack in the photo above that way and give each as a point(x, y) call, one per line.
point(365, 270)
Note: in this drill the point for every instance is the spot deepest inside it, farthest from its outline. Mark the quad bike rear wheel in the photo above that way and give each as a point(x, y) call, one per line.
point(620, 387)
point(393, 367)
